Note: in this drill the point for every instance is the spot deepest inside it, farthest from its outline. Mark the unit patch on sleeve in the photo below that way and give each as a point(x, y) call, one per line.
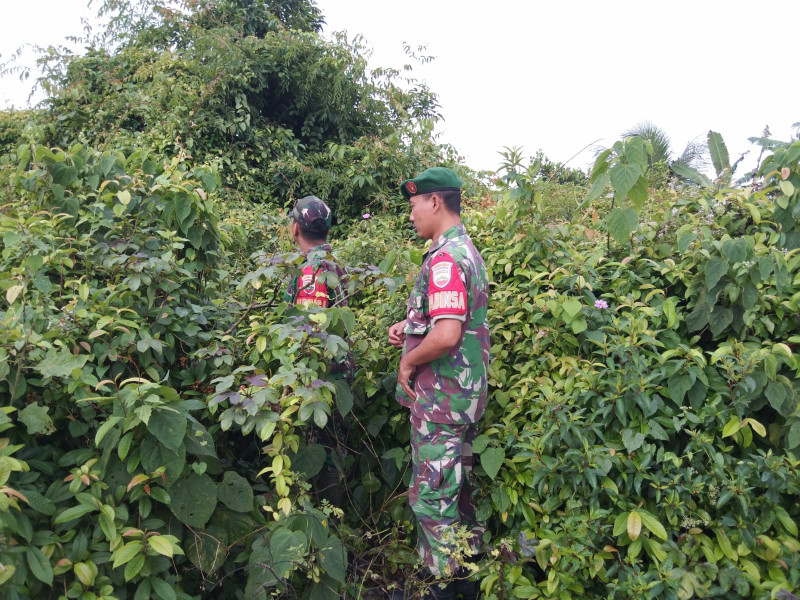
point(447, 296)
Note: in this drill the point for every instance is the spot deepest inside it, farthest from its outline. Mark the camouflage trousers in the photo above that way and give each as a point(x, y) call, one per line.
point(440, 493)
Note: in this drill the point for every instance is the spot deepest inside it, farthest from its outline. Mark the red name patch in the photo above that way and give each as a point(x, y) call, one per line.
point(447, 295)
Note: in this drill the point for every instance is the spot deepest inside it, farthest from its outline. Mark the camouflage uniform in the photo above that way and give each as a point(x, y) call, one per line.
point(451, 393)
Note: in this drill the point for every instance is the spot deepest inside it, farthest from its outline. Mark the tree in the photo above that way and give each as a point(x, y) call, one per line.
point(694, 155)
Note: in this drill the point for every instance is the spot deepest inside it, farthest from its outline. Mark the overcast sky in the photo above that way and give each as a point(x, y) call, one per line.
point(556, 75)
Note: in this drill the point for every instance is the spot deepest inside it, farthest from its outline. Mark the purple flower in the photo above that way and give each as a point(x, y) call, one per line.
point(600, 304)
point(366, 215)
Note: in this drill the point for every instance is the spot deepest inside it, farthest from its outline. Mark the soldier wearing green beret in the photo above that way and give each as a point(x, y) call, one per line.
point(442, 377)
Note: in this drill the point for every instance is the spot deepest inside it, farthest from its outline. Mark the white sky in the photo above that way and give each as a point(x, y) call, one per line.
point(557, 74)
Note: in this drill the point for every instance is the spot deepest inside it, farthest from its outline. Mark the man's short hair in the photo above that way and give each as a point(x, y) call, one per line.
point(452, 200)
point(312, 235)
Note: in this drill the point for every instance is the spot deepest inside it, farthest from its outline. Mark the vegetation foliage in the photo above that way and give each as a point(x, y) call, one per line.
point(170, 428)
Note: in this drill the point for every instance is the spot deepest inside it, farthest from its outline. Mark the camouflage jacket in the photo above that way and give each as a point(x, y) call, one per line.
point(323, 283)
point(452, 283)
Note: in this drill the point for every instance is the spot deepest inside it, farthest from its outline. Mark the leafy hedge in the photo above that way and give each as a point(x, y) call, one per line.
point(645, 403)
point(171, 430)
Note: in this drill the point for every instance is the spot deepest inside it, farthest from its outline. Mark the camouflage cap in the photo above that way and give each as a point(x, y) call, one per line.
point(312, 214)
point(435, 179)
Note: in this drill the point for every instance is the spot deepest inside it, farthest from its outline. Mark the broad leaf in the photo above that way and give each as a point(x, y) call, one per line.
point(40, 565)
point(714, 270)
point(652, 524)
point(235, 492)
point(60, 363)
point(309, 460)
point(168, 426)
point(623, 178)
point(194, 499)
point(344, 397)
point(492, 460)
point(621, 223)
point(36, 419)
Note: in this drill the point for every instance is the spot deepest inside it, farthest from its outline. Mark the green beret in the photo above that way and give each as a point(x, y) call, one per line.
point(435, 179)
point(313, 214)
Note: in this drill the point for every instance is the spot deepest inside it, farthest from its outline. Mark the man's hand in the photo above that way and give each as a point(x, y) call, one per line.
point(404, 373)
point(397, 334)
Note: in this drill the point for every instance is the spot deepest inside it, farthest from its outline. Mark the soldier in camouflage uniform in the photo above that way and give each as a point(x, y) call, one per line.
point(442, 376)
point(323, 278)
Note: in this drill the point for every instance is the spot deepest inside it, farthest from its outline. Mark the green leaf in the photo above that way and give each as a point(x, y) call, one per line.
point(623, 178)
point(649, 520)
point(681, 169)
point(344, 397)
point(638, 193)
point(127, 553)
point(286, 547)
point(714, 270)
point(598, 187)
point(632, 441)
point(36, 419)
point(635, 152)
point(572, 307)
point(63, 174)
point(685, 240)
point(194, 499)
point(786, 187)
point(134, 566)
point(207, 549)
point(621, 223)
point(309, 460)
point(719, 319)
point(183, 207)
point(600, 164)
point(6, 573)
point(105, 428)
point(725, 545)
point(492, 460)
point(620, 524)
point(670, 313)
point(480, 443)
point(779, 399)
point(73, 513)
point(334, 559)
point(719, 152)
point(168, 426)
point(735, 251)
point(235, 492)
point(162, 589)
point(349, 319)
point(579, 326)
point(786, 520)
point(39, 565)
point(161, 545)
point(793, 437)
point(60, 363)
point(732, 426)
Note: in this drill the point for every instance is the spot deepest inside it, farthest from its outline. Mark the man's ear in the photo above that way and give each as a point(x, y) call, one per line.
point(436, 202)
point(295, 229)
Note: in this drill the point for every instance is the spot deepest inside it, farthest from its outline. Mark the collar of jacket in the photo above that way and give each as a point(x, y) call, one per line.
point(451, 234)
